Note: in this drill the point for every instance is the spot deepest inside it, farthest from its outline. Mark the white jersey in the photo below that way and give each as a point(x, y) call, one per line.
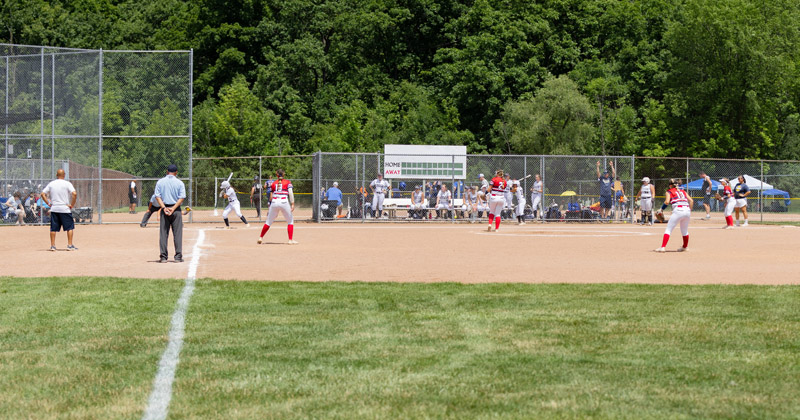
point(416, 197)
point(472, 198)
point(60, 193)
point(645, 192)
point(537, 189)
point(231, 194)
point(380, 186)
point(520, 193)
point(444, 197)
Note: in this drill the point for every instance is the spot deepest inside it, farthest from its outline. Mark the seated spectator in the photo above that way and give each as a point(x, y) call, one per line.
point(416, 210)
point(470, 201)
point(334, 193)
point(15, 206)
point(444, 202)
point(481, 205)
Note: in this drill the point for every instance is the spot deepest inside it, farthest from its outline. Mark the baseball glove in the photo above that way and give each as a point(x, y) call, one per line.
point(660, 217)
point(186, 210)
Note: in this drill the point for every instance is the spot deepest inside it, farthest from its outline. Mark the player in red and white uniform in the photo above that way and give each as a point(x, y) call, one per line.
point(728, 201)
point(496, 200)
point(681, 213)
point(282, 201)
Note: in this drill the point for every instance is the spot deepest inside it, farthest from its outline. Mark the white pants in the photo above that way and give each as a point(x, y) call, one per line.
point(508, 196)
point(496, 204)
point(377, 201)
point(233, 205)
point(536, 199)
point(520, 207)
point(646, 204)
point(443, 207)
point(741, 202)
point(482, 207)
point(282, 206)
point(680, 216)
point(729, 206)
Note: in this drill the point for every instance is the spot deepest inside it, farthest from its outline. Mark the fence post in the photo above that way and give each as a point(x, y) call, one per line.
point(453, 183)
point(191, 142)
point(633, 182)
point(5, 172)
point(41, 115)
point(53, 117)
point(100, 140)
point(761, 193)
point(542, 203)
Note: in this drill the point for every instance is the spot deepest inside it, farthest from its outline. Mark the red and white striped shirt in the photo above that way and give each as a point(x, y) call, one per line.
point(280, 189)
point(678, 198)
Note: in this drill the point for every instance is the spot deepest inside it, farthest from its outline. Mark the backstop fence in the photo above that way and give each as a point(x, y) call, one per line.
point(570, 187)
point(127, 112)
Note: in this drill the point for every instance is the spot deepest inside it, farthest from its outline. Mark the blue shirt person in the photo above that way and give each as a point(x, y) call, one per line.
point(170, 193)
point(606, 181)
point(334, 193)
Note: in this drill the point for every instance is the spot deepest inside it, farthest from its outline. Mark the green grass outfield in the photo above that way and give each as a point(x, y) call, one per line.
point(89, 348)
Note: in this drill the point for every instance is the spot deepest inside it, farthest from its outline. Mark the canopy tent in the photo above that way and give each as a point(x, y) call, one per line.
point(697, 185)
point(774, 192)
point(751, 182)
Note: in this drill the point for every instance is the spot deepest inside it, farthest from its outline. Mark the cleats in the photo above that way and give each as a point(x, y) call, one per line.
point(745, 223)
point(292, 242)
point(71, 248)
point(260, 240)
point(662, 249)
point(682, 249)
point(490, 229)
point(53, 249)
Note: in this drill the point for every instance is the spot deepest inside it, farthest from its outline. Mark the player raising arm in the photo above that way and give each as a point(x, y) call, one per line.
point(282, 201)
point(681, 213)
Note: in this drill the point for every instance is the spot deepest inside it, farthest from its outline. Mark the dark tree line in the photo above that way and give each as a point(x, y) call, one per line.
point(699, 78)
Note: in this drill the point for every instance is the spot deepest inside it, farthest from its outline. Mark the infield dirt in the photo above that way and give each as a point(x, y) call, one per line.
point(533, 253)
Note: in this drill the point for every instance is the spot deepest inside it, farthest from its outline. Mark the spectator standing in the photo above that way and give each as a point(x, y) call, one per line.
point(170, 193)
point(706, 189)
point(334, 193)
point(61, 196)
point(255, 195)
point(740, 193)
point(606, 181)
point(132, 197)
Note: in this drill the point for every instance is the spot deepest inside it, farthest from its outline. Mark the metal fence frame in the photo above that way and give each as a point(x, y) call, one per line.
point(635, 167)
point(51, 56)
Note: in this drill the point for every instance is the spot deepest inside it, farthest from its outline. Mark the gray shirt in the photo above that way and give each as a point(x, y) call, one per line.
point(170, 189)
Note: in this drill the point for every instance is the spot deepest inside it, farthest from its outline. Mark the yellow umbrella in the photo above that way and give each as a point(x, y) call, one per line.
point(568, 193)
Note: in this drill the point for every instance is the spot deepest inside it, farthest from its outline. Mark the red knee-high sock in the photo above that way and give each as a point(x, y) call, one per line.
point(686, 241)
point(290, 229)
point(497, 222)
point(665, 240)
point(264, 230)
point(491, 219)
point(729, 219)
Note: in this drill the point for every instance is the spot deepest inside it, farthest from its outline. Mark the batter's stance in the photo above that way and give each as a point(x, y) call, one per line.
point(282, 201)
point(681, 213)
point(233, 203)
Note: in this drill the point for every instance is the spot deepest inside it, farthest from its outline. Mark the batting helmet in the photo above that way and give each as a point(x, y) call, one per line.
point(224, 185)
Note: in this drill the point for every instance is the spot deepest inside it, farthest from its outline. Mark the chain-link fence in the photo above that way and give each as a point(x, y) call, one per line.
point(553, 188)
point(127, 112)
point(250, 178)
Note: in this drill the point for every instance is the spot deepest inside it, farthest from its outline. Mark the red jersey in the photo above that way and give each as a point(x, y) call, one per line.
point(280, 189)
point(677, 197)
point(727, 192)
point(498, 185)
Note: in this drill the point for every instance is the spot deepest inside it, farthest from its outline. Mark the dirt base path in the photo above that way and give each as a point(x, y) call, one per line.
point(559, 252)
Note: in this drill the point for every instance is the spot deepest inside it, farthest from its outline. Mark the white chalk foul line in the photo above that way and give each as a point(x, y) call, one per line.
point(158, 403)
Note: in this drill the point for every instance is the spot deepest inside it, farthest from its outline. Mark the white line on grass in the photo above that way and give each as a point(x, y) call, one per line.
point(158, 404)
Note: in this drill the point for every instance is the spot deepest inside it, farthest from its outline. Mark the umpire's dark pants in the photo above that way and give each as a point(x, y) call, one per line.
point(175, 222)
point(257, 204)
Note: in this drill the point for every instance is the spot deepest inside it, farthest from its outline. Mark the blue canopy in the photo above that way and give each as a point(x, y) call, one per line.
point(777, 192)
point(697, 185)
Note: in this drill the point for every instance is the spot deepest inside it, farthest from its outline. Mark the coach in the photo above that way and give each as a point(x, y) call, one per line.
point(60, 195)
point(170, 193)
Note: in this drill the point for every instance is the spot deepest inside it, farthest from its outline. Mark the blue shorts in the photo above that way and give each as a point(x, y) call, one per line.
point(605, 201)
point(59, 220)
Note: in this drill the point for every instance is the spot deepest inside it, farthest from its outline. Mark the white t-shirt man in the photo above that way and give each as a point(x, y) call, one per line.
point(60, 193)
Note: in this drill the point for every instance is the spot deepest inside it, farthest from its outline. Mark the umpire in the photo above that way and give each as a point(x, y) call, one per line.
point(170, 193)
